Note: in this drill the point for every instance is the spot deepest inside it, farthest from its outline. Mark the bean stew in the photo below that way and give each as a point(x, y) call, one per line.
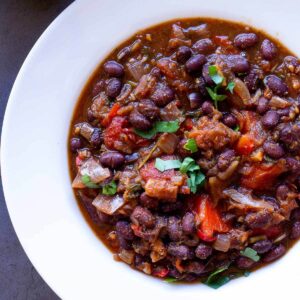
point(184, 151)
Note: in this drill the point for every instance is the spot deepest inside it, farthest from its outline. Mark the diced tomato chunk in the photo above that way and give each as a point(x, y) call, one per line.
point(245, 145)
point(112, 113)
point(262, 176)
point(209, 219)
point(271, 232)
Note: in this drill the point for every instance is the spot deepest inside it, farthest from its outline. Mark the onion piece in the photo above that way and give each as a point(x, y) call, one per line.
point(85, 130)
point(278, 102)
point(137, 69)
point(222, 243)
point(242, 91)
point(94, 170)
point(108, 204)
point(127, 256)
point(244, 200)
point(167, 142)
point(229, 171)
point(171, 113)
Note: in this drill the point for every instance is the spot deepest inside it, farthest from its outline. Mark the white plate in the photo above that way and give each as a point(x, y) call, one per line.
point(34, 149)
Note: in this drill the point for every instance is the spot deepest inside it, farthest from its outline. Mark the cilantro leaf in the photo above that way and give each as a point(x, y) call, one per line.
point(230, 87)
point(214, 75)
point(167, 126)
point(213, 93)
point(170, 280)
point(110, 188)
point(188, 164)
point(191, 145)
point(237, 128)
point(159, 126)
point(163, 165)
point(195, 180)
point(214, 280)
point(86, 180)
point(250, 253)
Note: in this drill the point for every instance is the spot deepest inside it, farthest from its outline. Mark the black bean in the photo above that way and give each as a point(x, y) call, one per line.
point(206, 76)
point(244, 263)
point(142, 216)
point(183, 53)
point(174, 273)
point(282, 192)
point(273, 150)
point(201, 85)
point(75, 144)
point(252, 79)
point(229, 120)
point(225, 159)
point(124, 244)
point(258, 219)
point(245, 40)
point(96, 137)
point(131, 158)
point(156, 72)
point(162, 95)
point(268, 50)
point(238, 64)
point(270, 119)
point(203, 251)
point(275, 253)
point(180, 251)
point(276, 85)
point(148, 108)
point(295, 231)
point(171, 207)
point(203, 46)
point(113, 87)
point(188, 223)
point(112, 159)
point(195, 267)
point(293, 165)
point(195, 63)
point(114, 69)
point(291, 63)
point(283, 112)
point(148, 202)
point(174, 229)
point(195, 100)
point(124, 230)
point(98, 87)
point(262, 105)
point(289, 135)
point(295, 215)
point(104, 218)
point(90, 116)
point(139, 121)
point(262, 246)
point(207, 108)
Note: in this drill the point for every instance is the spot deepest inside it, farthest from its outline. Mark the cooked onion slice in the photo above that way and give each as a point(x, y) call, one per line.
point(108, 204)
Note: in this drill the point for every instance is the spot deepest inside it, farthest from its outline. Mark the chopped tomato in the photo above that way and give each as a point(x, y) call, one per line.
point(209, 219)
point(78, 161)
point(222, 40)
point(187, 124)
point(161, 272)
point(245, 145)
point(118, 133)
point(262, 176)
point(112, 113)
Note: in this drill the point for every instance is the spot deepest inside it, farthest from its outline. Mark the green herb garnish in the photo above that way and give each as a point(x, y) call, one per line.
point(163, 165)
point(110, 189)
point(250, 253)
point(86, 180)
point(188, 164)
point(191, 145)
point(213, 93)
point(230, 87)
point(236, 128)
point(195, 181)
point(215, 280)
point(159, 126)
point(214, 75)
point(170, 280)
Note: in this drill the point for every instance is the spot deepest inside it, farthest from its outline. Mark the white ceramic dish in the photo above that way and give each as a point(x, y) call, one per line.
point(34, 149)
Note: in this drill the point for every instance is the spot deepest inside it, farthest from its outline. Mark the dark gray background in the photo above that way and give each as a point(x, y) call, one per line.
point(21, 24)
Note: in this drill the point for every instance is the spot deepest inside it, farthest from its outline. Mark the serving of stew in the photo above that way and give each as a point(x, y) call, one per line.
point(184, 151)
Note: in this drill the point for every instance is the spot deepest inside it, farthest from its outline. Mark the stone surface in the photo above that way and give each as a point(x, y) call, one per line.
point(21, 24)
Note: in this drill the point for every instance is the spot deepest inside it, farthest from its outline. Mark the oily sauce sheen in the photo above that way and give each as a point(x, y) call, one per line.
point(228, 199)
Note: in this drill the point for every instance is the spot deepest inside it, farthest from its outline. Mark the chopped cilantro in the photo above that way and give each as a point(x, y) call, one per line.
point(110, 188)
point(163, 165)
point(159, 126)
point(230, 87)
point(191, 145)
point(86, 180)
point(250, 253)
point(214, 75)
point(216, 280)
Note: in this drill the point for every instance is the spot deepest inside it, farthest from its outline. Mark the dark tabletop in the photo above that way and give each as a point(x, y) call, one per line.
point(21, 24)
